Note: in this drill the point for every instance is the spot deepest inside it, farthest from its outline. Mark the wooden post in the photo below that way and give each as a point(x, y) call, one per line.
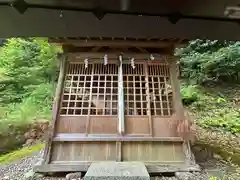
point(56, 107)
point(179, 109)
point(148, 100)
point(90, 102)
point(120, 99)
point(121, 124)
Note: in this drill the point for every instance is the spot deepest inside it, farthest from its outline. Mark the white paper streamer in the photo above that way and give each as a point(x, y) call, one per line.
point(133, 63)
point(152, 57)
point(86, 62)
point(105, 59)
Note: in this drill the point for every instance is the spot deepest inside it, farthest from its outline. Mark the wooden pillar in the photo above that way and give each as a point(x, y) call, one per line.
point(90, 100)
point(148, 100)
point(56, 107)
point(121, 124)
point(177, 101)
point(179, 109)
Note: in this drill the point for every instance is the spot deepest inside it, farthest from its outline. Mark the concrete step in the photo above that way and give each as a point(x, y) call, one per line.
point(117, 171)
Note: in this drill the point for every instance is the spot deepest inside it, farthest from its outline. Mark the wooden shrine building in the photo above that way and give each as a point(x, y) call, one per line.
point(118, 91)
point(116, 100)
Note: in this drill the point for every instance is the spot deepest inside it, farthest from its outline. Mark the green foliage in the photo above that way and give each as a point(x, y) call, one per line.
point(36, 106)
point(204, 62)
point(25, 64)
point(189, 94)
point(225, 119)
point(214, 111)
point(28, 71)
point(203, 46)
point(213, 178)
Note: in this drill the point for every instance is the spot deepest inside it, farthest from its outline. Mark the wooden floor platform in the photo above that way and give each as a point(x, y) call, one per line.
point(83, 167)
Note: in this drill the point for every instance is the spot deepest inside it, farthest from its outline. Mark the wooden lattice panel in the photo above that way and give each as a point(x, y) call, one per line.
point(93, 90)
point(157, 76)
point(135, 89)
point(90, 91)
point(160, 90)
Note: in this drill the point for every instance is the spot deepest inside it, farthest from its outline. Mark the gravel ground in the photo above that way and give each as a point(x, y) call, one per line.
point(18, 170)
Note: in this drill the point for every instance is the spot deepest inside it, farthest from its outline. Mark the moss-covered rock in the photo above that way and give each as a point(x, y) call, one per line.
point(17, 136)
point(12, 139)
point(225, 144)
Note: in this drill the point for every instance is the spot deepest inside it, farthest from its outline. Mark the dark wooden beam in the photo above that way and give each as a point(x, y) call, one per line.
point(188, 8)
point(96, 56)
point(51, 23)
point(117, 43)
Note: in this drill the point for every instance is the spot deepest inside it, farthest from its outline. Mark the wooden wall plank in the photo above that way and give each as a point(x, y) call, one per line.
point(153, 152)
point(162, 127)
point(103, 125)
point(137, 125)
point(84, 151)
point(71, 124)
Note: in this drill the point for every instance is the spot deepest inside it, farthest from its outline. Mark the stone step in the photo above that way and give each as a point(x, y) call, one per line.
point(117, 171)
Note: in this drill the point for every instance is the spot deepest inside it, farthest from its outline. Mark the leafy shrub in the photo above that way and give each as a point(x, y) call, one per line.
point(207, 62)
point(203, 46)
point(23, 65)
point(28, 70)
point(37, 105)
point(189, 94)
point(214, 110)
point(229, 121)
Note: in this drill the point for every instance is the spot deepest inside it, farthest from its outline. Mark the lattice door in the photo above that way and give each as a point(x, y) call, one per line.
point(92, 95)
point(147, 97)
point(99, 83)
point(160, 90)
point(135, 96)
point(153, 79)
point(91, 91)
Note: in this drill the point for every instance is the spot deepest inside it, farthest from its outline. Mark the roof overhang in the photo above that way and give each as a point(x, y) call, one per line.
point(186, 19)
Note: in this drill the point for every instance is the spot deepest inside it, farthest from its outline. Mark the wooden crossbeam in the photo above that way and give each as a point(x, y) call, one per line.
point(118, 43)
point(76, 57)
point(79, 137)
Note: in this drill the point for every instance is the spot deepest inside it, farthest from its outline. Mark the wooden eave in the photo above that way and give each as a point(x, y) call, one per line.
point(119, 42)
point(107, 18)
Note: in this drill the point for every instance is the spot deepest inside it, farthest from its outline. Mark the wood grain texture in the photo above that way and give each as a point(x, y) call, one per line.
point(137, 125)
point(148, 152)
point(83, 151)
point(153, 152)
point(71, 124)
point(103, 125)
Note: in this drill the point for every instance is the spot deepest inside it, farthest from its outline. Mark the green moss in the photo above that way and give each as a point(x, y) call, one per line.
point(222, 143)
point(226, 154)
point(18, 154)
